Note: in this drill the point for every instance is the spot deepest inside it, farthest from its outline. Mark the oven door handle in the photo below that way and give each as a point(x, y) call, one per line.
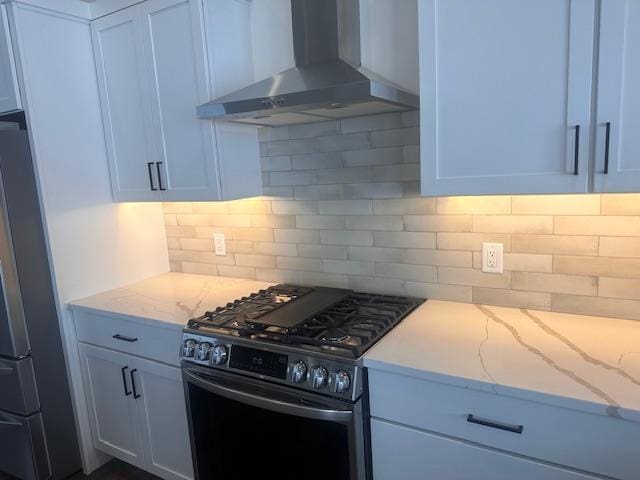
point(342, 416)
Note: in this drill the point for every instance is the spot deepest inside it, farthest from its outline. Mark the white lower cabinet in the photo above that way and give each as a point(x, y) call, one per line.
point(137, 411)
point(404, 453)
point(446, 432)
point(112, 412)
point(163, 420)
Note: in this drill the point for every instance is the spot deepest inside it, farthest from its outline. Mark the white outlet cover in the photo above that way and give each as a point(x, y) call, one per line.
point(493, 257)
point(219, 244)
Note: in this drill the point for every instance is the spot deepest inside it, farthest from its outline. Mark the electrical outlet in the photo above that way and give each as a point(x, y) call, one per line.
point(492, 257)
point(219, 244)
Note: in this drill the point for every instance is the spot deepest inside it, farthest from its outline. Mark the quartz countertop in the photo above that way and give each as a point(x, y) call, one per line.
point(573, 361)
point(170, 299)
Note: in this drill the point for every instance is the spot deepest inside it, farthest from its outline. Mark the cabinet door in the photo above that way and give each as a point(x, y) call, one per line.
point(125, 103)
point(163, 420)
point(403, 453)
point(503, 86)
point(618, 98)
point(112, 411)
point(9, 93)
point(177, 73)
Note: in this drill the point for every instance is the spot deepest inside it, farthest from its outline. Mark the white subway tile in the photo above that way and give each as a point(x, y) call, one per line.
point(555, 283)
point(405, 239)
point(512, 298)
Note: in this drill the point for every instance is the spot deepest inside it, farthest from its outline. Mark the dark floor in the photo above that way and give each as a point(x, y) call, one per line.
point(113, 470)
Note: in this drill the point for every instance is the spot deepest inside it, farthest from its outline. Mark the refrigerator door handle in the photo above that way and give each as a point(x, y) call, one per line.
point(9, 424)
point(6, 371)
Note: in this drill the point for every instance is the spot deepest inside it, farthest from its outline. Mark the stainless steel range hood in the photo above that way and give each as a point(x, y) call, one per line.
point(327, 82)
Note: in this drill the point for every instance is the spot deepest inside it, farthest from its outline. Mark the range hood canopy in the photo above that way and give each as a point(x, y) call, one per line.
point(327, 82)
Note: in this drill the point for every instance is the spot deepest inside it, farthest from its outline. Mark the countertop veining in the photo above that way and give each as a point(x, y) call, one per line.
point(170, 299)
point(574, 361)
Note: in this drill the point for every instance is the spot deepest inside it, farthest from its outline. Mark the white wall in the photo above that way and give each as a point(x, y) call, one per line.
point(94, 244)
point(232, 59)
point(271, 37)
point(389, 38)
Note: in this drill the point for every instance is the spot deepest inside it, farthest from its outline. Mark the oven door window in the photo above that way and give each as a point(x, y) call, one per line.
point(239, 441)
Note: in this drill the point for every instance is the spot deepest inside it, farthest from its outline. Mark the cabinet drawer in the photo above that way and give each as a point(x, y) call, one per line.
point(23, 446)
point(593, 443)
point(407, 454)
point(161, 344)
point(18, 386)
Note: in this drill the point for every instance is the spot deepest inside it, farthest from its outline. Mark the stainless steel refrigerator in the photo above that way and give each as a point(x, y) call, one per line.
point(37, 431)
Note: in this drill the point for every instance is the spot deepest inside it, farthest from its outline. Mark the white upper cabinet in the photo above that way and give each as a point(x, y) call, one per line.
point(177, 74)
point(9, 92)
point(125, 99)
point(617, 155)
point(154, 69)
point(505, 93)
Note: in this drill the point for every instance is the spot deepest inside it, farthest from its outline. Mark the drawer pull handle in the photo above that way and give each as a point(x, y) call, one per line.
point(124, 338)
point(499, 425)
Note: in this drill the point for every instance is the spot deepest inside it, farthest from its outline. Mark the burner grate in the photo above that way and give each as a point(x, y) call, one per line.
point(347, 328)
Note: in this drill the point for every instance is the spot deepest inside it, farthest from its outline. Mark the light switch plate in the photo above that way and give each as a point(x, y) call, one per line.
point(492, 257)
point(219, 244)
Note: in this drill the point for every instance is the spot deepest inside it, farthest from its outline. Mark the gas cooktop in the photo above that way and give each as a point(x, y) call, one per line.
point(328, 320)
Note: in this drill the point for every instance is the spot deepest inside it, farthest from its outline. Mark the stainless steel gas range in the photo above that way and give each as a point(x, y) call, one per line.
point(275, 386)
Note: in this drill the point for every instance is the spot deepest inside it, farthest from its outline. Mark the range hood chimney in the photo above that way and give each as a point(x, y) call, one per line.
point(327, 82)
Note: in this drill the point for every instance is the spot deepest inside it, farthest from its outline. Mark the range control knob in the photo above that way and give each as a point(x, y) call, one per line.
point(188, 348)
point(219, 355)
point(319, 376)
point(343, 382)
point(203, 352)
point(299, 372)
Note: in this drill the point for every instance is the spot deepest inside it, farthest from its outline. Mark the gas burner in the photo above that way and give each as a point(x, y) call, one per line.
point(337, 335)
point(346, 328)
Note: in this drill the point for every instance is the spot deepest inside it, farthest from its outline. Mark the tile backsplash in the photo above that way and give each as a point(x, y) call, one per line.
point(342, 208)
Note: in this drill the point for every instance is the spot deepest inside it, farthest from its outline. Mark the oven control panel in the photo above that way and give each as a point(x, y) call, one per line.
point(320, 375)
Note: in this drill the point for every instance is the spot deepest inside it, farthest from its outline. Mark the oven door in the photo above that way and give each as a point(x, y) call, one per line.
point(243, 428)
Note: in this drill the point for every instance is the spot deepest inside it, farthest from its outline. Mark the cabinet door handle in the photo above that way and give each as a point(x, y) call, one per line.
point(149, 165)
point(159, 175)
point(124, 338)
point(493, 424)
point(127, 392)
point(607, 139)
point(576, 151)
point(133, 383)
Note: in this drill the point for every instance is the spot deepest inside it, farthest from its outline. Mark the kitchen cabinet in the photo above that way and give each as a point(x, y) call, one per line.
point(617, 154)
point(460, 430)
point(125, 98)
point(137, 408)
point(399, 452)
point(505, 91)
point(9, 91)
point(163, 419)
point(153, 66)
point(113, 414)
